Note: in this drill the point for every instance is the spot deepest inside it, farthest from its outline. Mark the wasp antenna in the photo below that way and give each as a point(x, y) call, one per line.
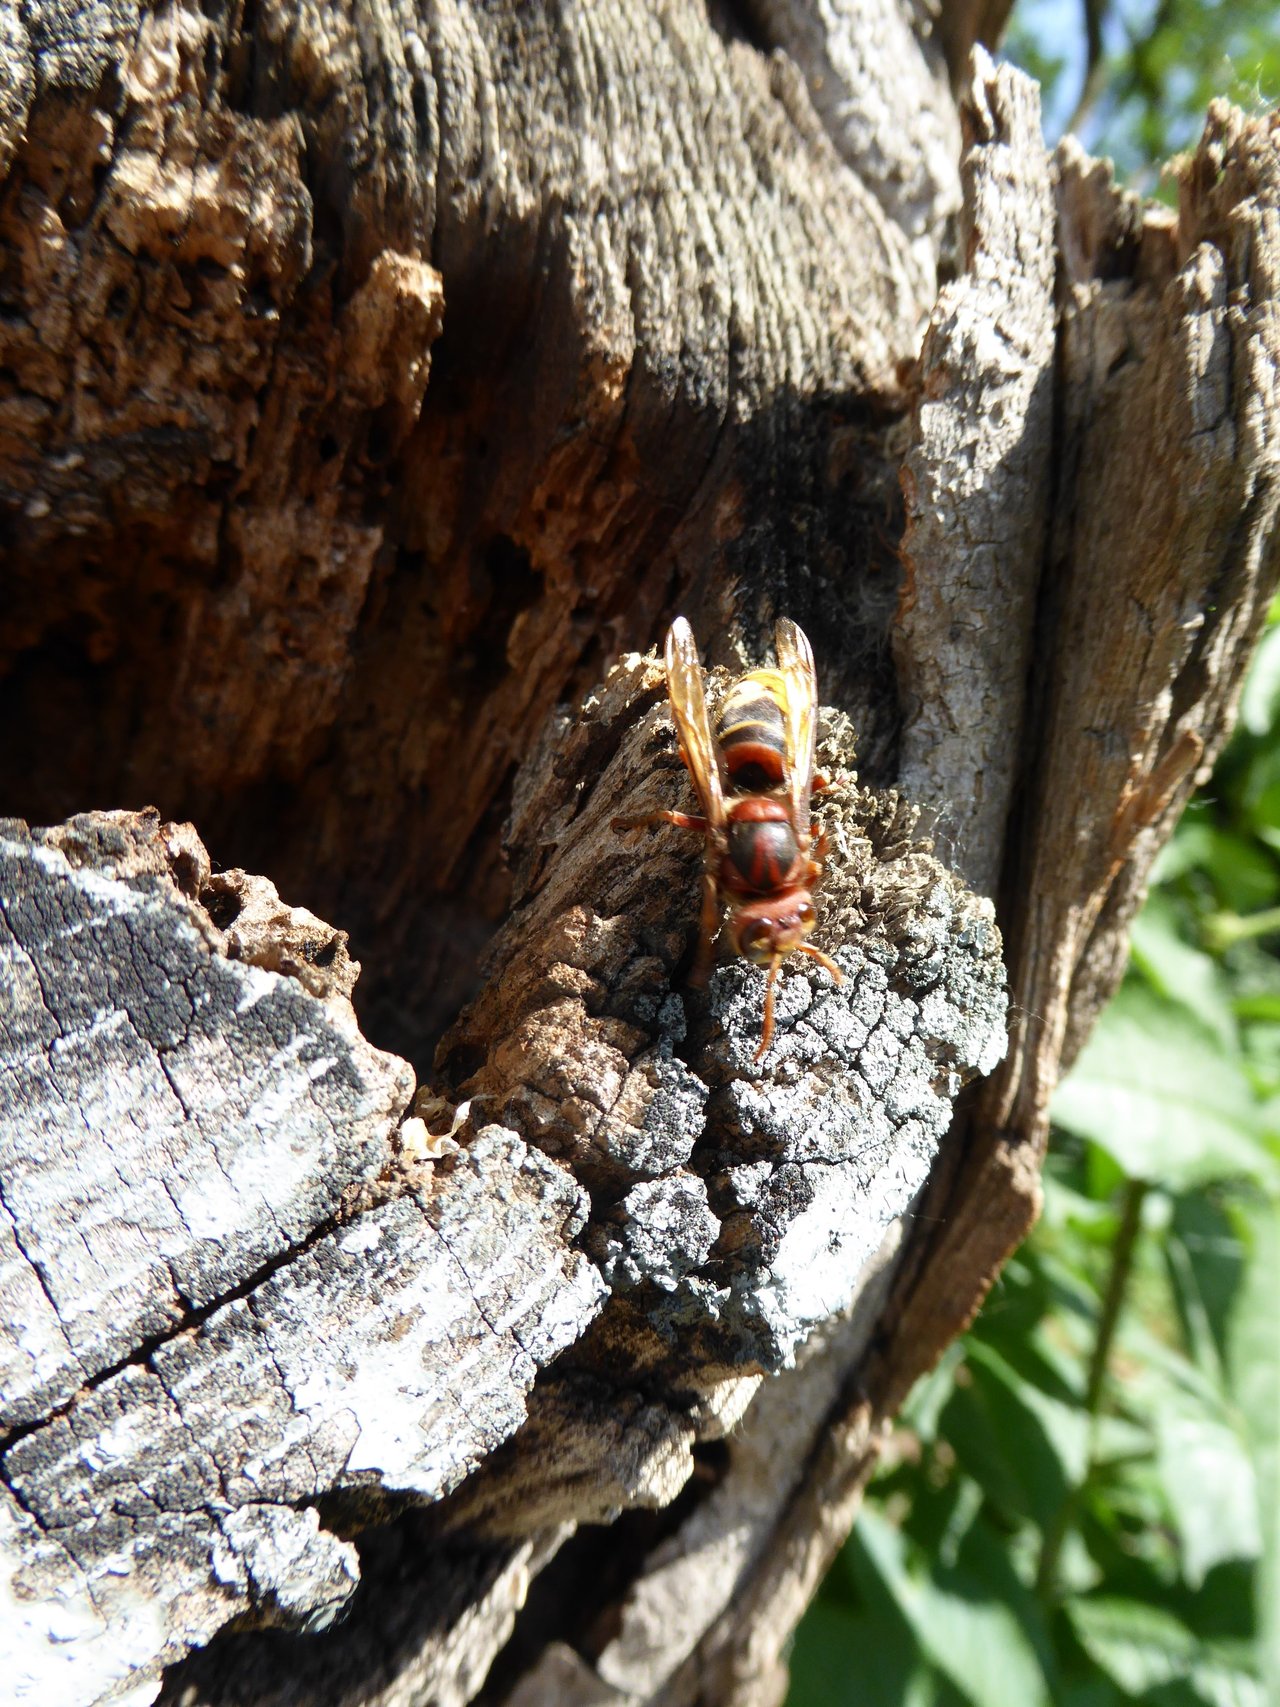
point(767, 1034)
point(822, 959)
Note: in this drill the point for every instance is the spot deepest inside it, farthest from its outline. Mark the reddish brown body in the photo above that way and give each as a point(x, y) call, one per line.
point(753, 779)
point(762, 855)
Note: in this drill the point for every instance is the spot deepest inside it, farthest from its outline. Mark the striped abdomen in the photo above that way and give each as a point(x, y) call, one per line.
point(752, 734)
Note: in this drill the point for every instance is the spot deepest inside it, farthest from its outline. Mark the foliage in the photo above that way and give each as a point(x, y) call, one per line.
point(1072, 1509)
point(1132, 78)
point(1081, 1505)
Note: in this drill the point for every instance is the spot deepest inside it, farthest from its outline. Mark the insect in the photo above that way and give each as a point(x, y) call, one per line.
point(753, 778)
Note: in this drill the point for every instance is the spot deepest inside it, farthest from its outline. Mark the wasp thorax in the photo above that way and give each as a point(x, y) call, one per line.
point(763, 855)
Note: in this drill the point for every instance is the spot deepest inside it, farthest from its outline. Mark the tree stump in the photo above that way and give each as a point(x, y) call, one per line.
point(376, 384)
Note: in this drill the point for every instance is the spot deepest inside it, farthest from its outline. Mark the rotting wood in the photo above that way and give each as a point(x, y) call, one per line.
point(274, 408)
point(1164, 556)
point(225, 1296)
point(289, 556)
point(382, 1358)
point(976, 480)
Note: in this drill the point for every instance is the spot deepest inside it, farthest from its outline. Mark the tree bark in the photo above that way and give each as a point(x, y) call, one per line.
point(375, 385)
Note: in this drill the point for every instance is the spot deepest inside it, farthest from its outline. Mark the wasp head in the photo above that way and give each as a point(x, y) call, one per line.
point(766, 929)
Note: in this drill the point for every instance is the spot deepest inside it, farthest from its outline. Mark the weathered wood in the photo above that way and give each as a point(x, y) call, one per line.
point(229, 264)
point(736, 1206)
point(120, 1014)
point(977, 485)
point(1164, 554)
point(226, 1297)
point(737, 1200)
point(370, 380)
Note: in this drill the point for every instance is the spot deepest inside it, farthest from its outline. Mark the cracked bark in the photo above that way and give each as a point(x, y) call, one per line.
point(375, 384)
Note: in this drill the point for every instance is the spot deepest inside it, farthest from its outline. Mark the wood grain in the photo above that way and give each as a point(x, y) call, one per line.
point(375, 384)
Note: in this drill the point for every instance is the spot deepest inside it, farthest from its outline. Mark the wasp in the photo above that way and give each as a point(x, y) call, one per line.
point(753, 778)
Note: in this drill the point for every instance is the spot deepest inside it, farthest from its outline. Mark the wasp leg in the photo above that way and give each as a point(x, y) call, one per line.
point(818, 857)
point(681, 820)
point(822, 959)
point(766, 1036)
point(708, 925)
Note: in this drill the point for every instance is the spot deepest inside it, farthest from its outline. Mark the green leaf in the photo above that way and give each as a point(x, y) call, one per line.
point(1023, 1324)
point(1068, 1210)
point(1142, 1647)
point(1077, 1571)
point(1092, 1692)
point(1190, 848)
point(1270, 1114)
point(859, 1659)
point(1159, 1375)
point(924, 1405)
point(1262, 1057)
point(1106, 1178)
point(1261, 795)
point(974, 1638)
point(1024, 1447)
point(1125, 1527)
point(1153, 1089)
point(1205, 1259)
point(1260, 700)
point(1183, 974)
point(1243, 871)
point(1253, 1358)
point(1117, 1441)
point(1211, 1489)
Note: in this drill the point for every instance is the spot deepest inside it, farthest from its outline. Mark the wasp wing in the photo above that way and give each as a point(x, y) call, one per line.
point(689, 708)
point(795, 660)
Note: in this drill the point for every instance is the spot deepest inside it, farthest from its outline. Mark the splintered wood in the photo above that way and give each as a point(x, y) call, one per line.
point(375, 378)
